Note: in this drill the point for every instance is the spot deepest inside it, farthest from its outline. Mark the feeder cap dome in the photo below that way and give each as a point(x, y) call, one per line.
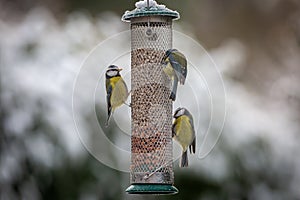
point(154, 9)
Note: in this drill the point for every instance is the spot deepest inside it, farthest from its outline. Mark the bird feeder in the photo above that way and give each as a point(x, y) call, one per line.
point(151, 169)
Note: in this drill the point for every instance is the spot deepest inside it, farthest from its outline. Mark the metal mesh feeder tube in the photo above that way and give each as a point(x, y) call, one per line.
point(151, 169)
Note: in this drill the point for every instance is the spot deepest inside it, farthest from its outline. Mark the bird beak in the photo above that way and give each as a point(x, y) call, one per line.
point(120, 69)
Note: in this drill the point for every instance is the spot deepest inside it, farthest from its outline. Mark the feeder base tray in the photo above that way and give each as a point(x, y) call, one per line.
point(151, 189)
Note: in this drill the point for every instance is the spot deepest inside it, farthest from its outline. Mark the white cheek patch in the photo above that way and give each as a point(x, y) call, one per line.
point(179, 113)
point(112, 73)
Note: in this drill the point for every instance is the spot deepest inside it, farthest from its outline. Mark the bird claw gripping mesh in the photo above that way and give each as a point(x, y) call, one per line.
point(151, 139)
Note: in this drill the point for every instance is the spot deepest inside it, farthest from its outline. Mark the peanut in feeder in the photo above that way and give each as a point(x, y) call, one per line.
point(151, 169)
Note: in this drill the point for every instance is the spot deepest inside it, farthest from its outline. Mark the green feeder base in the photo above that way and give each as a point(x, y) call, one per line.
point(151, 189)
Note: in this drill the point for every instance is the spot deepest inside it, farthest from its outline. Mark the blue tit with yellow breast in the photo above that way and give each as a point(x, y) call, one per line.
point(176, 68)
point(183, 132)
point(116, 90)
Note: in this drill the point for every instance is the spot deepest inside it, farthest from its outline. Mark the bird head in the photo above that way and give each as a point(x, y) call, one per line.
point(169, 51)
point(181, 111)
point(167, 54)
point(113, 71)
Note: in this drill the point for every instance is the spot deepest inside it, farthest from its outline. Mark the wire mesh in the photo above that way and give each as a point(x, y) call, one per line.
point(151, 139)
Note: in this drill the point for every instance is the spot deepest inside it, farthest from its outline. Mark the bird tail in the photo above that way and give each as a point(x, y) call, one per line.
point(174, 89)
point(108, 117)
point(184, 159)
point(182, 80)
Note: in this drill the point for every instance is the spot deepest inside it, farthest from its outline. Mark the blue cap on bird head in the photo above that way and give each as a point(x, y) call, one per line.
point(169, 51)
point(167, 54)
point(113, 67)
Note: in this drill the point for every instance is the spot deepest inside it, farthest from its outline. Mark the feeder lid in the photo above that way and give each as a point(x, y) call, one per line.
point(154, 9)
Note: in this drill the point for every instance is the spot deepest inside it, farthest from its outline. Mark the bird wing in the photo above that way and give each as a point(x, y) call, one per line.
point(173, 129)
point(107, 83)
point(176, 65)
point(126, 94)
point(108, 96)
point(179, 63)
point(192, 146)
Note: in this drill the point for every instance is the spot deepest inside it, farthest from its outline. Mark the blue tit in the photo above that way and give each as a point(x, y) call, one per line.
point(184, 133)
point(176, 68)
point(116, 90)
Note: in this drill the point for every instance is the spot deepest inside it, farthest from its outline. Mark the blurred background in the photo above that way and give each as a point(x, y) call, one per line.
point(256, 45)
